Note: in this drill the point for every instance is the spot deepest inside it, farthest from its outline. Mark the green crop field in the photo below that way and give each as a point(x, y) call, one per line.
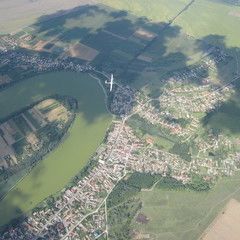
point(83, 138)
point(202, 18)
point(184, 214)
point(72, 26)
point(155, 10)
point(22, 125)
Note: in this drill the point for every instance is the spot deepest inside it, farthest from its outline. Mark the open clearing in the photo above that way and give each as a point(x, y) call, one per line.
point(85, 135)
point(40, 45)
point(144, 34)
point(234, 13)
point(83, 52)
point(226, 225)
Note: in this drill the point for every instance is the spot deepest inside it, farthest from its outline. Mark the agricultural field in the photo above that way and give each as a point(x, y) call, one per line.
point(113, 32)
point(83, 52)
point(225, 223)
point(126, 39)
point(183, 43)
point(29, 135)
point(199, 20)
point(182, 214)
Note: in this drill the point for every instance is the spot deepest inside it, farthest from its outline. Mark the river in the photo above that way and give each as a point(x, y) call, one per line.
point(84, 136)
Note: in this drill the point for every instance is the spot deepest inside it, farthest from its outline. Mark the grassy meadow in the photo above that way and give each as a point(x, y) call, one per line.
point(83, 138)
point(202, 18)
point(183, 214)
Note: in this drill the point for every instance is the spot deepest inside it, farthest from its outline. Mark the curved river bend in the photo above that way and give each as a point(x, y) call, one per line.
point(85, 135)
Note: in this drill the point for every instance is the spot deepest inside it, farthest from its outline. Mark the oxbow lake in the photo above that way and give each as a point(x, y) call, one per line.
point(83, 138)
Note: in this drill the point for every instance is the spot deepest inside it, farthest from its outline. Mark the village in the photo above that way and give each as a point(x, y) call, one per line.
point(180, 101)
point(65, 219)
point(121, 153)
point(38, 63)
point(80, 211)
point(32, 62)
